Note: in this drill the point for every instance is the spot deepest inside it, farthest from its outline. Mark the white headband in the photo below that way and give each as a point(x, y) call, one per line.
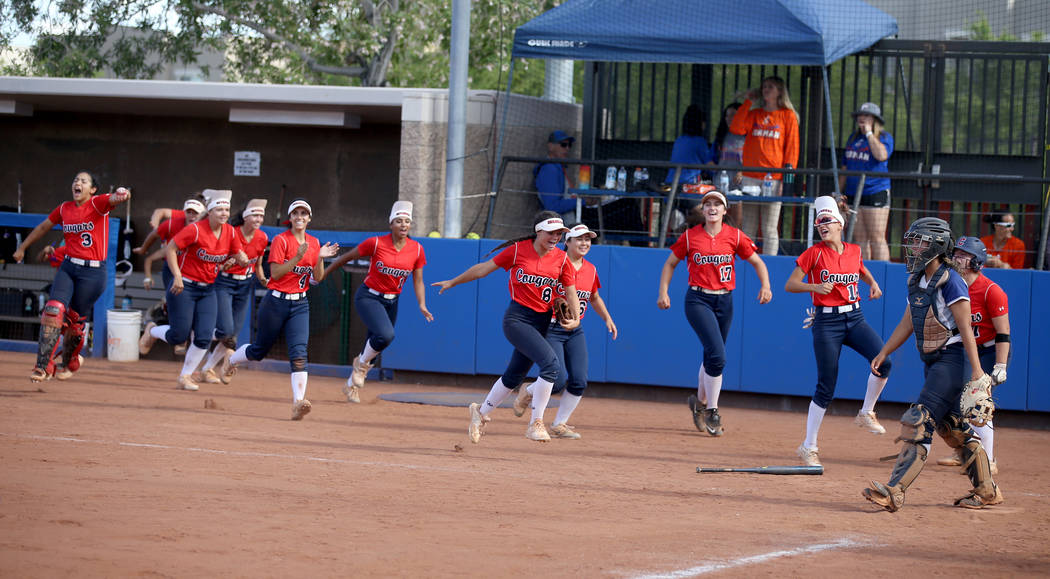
point(297, 204)
point(580, 230)
point(552, 224)
point(401, 209)
point(220, 202)
point(193, 205)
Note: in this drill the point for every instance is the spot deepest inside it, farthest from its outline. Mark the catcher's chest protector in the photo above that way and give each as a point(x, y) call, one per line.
point(930, 334)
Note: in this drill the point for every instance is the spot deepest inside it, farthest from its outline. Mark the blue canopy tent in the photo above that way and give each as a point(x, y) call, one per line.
point(774, 32)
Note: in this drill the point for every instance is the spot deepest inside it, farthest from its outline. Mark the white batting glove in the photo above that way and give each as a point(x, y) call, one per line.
point(808, 320)
point(998, 374)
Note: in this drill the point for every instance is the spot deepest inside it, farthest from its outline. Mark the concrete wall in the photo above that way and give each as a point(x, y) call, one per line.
point(423, 153)
point(350, 176)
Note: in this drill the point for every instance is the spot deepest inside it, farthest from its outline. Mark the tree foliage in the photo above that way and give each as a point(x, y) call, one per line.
point(341, 42)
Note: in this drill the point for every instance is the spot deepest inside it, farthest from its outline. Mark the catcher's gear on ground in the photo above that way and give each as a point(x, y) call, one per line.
point(976, 401)
point(563, 311)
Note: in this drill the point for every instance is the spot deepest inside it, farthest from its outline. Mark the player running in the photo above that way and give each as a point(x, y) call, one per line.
point(295, 257)
point(393, 258)
point(711, 248)
point(833, 269)
point(990, 318)
point(80, 278)
point(538, 269)
point(571, 345)
point(194, 257)
point(939, 315)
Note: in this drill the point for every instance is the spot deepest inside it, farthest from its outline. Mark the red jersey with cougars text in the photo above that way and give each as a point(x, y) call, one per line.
point(85, 228)
point(284, 248)
point(535, 280)
point(390, 268)
point(171, 227)
point(711, 257)
point(586, 284)
point(202, 252)
point(253, 249)
point(987, 301)
point(823, 264)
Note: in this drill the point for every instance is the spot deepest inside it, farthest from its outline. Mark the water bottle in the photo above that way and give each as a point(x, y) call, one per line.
point(645, 175)
point(637, 177)
point(125, 304)
point(723, 182)
point(585, 177)
point(610, 178)
point(768, 185)
point(621, 179)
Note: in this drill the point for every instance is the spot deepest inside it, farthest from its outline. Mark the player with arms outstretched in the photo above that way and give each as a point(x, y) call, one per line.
point(80, 278)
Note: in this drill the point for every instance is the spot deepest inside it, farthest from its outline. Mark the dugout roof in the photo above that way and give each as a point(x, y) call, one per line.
point(778, 32)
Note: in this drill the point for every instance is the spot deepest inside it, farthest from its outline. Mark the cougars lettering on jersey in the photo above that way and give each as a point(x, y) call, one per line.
point(85, 228)
point(283, 248)
point(171, 227)
point(987, 301)
point(202, 252)
point(822, 264)
point(253, 249)
point(534, 279)
point(711, 257)
point(586, 284)
point(390, 268)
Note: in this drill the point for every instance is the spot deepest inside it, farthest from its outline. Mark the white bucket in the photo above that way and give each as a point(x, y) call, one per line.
point(122, 335)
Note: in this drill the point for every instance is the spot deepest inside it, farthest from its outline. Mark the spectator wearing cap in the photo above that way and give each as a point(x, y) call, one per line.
point(869, 149)
point(1004, 250)
point(550, 178)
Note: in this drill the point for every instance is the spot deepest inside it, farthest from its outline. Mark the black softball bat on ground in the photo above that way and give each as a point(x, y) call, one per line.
point(766, 469)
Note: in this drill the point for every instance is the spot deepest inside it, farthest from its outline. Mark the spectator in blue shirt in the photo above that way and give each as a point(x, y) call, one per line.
point(869, 149)
point(691, 147)
point(550, 178)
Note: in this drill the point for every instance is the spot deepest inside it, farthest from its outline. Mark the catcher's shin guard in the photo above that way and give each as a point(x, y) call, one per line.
point(73, 340)
point(916, 428)
point(976, 466)
point(50, 329)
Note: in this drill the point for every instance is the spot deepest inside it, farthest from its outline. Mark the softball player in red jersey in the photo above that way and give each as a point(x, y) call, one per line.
point(571, 345)
point(711, 248)
point(233, 288)
point(990, 319)
point(393, 258)
point(80, 279)
point(194, 257)
point(192, 210)
point(833, 269)
point(295, 257)
point(537, 268)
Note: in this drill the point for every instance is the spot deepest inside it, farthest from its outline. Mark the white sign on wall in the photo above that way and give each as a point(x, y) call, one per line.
point(246, 163)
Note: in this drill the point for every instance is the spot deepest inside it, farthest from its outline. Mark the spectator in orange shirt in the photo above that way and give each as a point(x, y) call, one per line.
point(1004, 250)
point(769, 123)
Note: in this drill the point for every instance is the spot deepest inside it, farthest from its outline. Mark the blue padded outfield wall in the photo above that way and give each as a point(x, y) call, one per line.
point(768, 350)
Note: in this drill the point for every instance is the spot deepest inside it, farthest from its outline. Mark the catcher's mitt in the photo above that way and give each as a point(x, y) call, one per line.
point(563, 311)
point(976, 401)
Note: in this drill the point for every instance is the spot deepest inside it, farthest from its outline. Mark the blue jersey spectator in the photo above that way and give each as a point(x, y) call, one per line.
point(691, 147)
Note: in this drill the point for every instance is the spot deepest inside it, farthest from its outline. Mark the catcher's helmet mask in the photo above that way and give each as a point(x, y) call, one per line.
point(926, 239)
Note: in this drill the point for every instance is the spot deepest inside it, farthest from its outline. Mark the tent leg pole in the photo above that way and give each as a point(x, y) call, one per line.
point(831, 130)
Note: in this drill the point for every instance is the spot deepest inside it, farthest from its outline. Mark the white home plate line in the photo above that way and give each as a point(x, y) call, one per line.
point(251, 454)
point(752, 560)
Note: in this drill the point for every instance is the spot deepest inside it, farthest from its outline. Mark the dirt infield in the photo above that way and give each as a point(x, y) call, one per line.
point(117, 473)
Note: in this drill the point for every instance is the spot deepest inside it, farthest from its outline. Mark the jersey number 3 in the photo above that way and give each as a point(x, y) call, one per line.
point(86, 239)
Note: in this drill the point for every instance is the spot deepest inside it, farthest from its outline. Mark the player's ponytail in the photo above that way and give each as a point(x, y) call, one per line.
point(538, 218)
